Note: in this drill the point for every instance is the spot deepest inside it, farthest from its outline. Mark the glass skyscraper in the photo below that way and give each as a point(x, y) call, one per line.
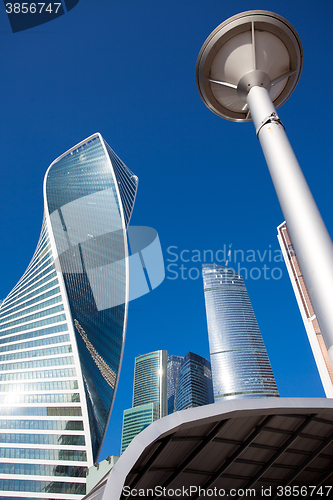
point(62, 328)
point(149, 395)
point(194, 385)
point(174, 364)
point(150, 380)
point(136, 420)
point(240, 363)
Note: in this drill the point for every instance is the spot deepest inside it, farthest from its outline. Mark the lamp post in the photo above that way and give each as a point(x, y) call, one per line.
point(248, 67)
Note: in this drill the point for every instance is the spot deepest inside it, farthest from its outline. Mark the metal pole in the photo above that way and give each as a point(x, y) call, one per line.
point(311, 240)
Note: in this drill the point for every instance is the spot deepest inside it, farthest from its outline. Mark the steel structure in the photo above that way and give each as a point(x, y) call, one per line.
point(277, 445)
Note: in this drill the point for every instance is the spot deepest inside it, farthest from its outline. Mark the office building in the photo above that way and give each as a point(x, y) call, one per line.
point(136, 420)
point(306, 309)
point(194, 387)
point(174, 364)
point(150, 380)
point(240, 363)
point(149, 395)
point(62, 328)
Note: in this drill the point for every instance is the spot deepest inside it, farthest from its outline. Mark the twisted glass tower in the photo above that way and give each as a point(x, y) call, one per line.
point(240, 363)
point(62, 328)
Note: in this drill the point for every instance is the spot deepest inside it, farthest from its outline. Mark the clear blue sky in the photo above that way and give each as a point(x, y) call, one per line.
point(126, 69)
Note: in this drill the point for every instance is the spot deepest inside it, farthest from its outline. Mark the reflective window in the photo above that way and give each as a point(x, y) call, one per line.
point(35, 343)
point(50, 351)
point(65, 440)
point(43, 425)
point(39, 411)
point(41, 305)
point(24, 302)
point(43, 454)
point(35, 333)
point(38, 273)
point(38, 363)
point(42, 486)
point(52, 310)
point(25, 293)
point(42, 470)
point(54, 385)
point(39, 398)
point(38, 374)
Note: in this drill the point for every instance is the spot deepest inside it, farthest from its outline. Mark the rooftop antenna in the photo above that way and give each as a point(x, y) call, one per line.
point(228, 255)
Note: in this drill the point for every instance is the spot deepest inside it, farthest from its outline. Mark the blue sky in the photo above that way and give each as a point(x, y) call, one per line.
point(126, 69)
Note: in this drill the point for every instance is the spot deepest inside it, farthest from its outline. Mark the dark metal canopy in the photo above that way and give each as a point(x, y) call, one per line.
point(232, 446)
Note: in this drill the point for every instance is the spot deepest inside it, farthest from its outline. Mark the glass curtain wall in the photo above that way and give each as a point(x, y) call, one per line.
point(62, 328)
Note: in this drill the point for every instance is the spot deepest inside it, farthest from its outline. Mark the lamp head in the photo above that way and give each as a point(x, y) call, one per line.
point(254, 48)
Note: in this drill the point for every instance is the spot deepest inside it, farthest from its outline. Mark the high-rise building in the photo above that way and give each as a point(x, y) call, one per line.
point(306, 309)
point(136, 420)
point(62, 328)
point(240, 363)
point(150, 380)
point(149, 395)
point(174, 364)
point(194, 386)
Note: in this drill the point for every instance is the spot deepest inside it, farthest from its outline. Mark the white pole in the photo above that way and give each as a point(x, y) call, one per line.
point(311, 241)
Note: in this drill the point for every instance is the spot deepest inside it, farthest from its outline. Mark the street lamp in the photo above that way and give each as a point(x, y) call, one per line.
point(248, 67)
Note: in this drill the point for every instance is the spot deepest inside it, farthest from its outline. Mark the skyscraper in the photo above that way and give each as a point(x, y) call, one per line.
point(240, 363)
point(150, 380)
point(149, 395)
point(136, 420)
point(306, 309)
point(194, 385)
point(174, 364)
point(62, 327)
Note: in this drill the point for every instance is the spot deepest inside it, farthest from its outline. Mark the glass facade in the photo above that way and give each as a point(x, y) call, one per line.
point(240, 363)
point(194, 386)
point(136, 420)
point(174, 364)
point(62, 327)
point(150, 380)
point(149, 395)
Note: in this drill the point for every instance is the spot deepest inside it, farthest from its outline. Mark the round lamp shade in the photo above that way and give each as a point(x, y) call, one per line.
point(251, 48)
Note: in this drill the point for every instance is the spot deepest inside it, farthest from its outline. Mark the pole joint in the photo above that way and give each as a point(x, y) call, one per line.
point(272, 118)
